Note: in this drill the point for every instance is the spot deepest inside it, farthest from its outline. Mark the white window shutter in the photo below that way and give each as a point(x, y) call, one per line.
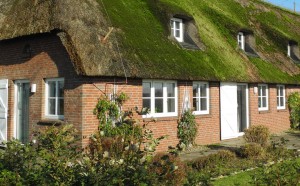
point(3, 109)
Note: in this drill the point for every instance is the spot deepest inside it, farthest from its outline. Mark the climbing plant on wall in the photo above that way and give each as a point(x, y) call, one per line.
point(187, 130)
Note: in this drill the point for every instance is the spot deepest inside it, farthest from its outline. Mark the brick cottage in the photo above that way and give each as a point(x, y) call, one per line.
point(58, 58)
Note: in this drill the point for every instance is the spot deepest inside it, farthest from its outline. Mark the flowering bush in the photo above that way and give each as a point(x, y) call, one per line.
point(120, 154)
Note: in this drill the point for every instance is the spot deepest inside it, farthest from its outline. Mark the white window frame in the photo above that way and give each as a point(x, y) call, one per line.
point(260, 96)
point(173, 30)
point(241, 42)
point(47, 115)
point(200, 112)
point(280, 107)
point(289, 50)
point(165, 99)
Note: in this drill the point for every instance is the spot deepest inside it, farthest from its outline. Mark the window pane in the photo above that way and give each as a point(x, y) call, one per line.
point(60, 89)
point(158, 89)
point(159, 108)
point(259, 102)
point(259, 90)
point(147, 103)
point(203, 104)
point(146, 89)
point(177, 33)
point(51, 88)
point(264, 103)
point(195, 90)
point(278, 101)
point(170, 89)
point(281, 91)
point(177, 25)
point(51, 106)
point(196, 104)
point(264, 90)
point(171, 105)
point(281, 102)
point(60, 107)
point(203, 90)
point(172, 24)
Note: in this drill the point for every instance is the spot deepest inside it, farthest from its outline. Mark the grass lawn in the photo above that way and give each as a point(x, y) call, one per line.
point(244, 178)
point(239, 179)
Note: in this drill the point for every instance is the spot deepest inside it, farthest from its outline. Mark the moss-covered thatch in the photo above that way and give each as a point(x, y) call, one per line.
point(141, 31)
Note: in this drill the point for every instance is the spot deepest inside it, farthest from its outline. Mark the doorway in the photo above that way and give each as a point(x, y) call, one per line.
point(234, 109)
point(22, 93)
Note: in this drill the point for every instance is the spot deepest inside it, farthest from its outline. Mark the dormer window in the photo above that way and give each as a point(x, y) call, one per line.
point(185, 32)
point(177, 29)
point(246, 42)
point(241, 40)
point(293, 51)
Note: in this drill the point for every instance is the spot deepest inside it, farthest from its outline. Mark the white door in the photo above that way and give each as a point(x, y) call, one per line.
point(3, 109)
point(234, 109)
point(228, 110)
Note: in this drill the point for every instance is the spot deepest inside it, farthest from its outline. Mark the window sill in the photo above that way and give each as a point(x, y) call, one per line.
point(151, 116)
point(203, 115)
point(282, 110)
point(155, 119)
point(51, 122)
point(264, 111)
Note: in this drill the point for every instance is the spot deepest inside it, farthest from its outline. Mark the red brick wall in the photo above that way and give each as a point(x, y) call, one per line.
point(276, 120)
point(49, 59)
point(209, 125)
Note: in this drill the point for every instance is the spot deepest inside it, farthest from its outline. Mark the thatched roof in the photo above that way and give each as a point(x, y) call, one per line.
point(81, 24)
point(141, 29)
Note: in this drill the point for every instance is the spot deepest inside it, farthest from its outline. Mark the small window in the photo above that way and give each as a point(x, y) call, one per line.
point(201, 98)
point(160, 97)
point(263, 97)
point(280, 97)
point(55, 98)
point(241, 40)
point(293, 51)
point(177, 29)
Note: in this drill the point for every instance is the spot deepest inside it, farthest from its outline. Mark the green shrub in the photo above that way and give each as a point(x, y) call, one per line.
point(257, 134)
point(168, 168)
point(253, 151)
point(285, 173)
point(198, 178)
point(187, 130)
point(213, 160)
point(294, 107)
point(277, 150)
point(51, 159)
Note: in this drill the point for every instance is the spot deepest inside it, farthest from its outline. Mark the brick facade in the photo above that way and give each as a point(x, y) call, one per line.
point(49, 59)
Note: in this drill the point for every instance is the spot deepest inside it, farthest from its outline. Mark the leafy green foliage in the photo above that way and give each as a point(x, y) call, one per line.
point(294, 106)
point(213, 160)
point(257, 134)
point(50, 160)
point(285, 173)
point(187, 129)
point(119, 155)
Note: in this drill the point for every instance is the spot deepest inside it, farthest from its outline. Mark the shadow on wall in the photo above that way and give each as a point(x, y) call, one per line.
point(40, 48)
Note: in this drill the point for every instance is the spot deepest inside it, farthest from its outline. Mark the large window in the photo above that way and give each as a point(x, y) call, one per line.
point(263, 97)
point(160, 97)
point(55, 98)
point(280, 97)
point(177, 29)
point(201, 98)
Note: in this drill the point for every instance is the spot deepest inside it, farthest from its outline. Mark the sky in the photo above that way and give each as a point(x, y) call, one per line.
point(286, 3)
